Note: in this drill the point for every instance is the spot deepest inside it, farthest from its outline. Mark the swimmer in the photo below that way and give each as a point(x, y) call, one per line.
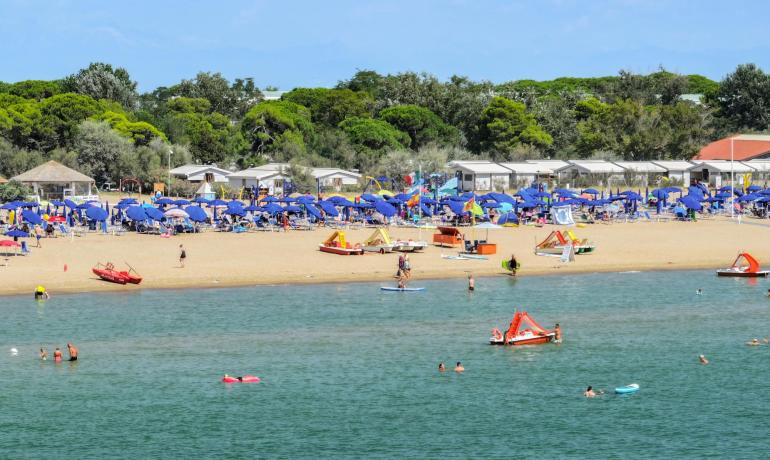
point(72, 351)
point(557, 333)
point(753, 342)
point(589, 393)
point(471, 283)
point(703, 359)
point(441, 367)
point(459, 367)
point(57, 355)
point(43, 354)
point(768, 292)
point(699, 292)
point(41, 293)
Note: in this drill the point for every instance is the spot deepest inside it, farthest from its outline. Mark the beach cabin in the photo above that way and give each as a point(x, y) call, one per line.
point(642, 172)
point(590, 172)
point(333, 179)
point(761, 172)
point(717, 173)
point(200, 173)
point(525, 174)
point(480, 175)
point(677, 171)
point(553, 165)
point(54, 181)
point(271, 180)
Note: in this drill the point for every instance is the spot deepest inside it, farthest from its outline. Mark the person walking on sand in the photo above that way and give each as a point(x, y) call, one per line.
point(73, 351)
point(182, 256)
point(38, 234)
point(407, 267)
point(513, 263)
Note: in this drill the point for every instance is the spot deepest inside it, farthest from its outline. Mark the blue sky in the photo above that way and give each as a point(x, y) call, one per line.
point(315, 43)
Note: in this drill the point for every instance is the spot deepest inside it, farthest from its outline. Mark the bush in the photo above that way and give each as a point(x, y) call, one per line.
point(14, 191)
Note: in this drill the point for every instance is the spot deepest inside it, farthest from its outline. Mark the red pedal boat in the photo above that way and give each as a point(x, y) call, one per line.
point(745, 266)
point(107, 272)
point(523, 331)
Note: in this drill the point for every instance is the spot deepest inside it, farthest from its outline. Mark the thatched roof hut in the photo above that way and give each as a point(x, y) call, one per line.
point(54, 180)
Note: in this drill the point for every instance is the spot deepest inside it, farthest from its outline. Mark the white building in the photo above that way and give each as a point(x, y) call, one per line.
point(524, 174)
point(762, 170)
point(678, 170)
point(719, 172)
point(603, 172)
point(646, 172)
point(335, 178)
point(480, 175)
point(553, 165)
point(200, 173)
point(270, 179)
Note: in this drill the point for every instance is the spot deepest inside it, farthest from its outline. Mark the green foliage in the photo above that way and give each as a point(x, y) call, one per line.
point(101, 81)
point(331, 106)
point(140, 132)
point(371, 136)
point(743, 99)
point(34, 89)
point(189, 105)
point(275, 125)
point(60, 115)
point(99, 147)
point(422, 125)
point(505, 124)
point(233, 100)
point(698, 84)
point(14, 161)
point(367, 81)
point(14, 191)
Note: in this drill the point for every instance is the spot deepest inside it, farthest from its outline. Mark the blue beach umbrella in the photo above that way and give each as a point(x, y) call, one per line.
point(16, 233)
point(31, 217)
point(154, 213)
point(97, 214)
point(136, 213)
point(386, 209)
point(196, 213)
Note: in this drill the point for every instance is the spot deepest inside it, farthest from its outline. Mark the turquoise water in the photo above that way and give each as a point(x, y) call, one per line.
point(349, 372)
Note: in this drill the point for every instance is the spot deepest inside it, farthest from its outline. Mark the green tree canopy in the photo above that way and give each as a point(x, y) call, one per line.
point(374, 135)
point(422, 125)
point(505, 124)
point(274, 125)
point(331, 106)
point(101, 81)
point(743, 99)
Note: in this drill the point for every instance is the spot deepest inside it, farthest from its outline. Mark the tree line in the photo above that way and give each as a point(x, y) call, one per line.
point(96, 121)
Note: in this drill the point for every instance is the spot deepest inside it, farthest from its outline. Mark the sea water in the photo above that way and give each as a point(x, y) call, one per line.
point(351, 372)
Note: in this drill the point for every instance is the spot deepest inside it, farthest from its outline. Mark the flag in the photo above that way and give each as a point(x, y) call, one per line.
point(414, 200)
point(469, 205)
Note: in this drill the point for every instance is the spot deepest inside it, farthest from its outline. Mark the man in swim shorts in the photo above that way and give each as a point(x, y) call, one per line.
point(589, 393)
point(43, 354)
point(73, 352)
point(441, 367)
point(182, 256)
point(459, 367)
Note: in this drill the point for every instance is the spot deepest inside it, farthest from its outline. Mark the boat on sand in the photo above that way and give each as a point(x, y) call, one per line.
point(336, 244)
point(107, 272)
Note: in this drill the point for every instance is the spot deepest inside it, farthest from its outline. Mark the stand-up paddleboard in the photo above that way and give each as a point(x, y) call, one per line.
point(444, 256)
point(507, 265)
point(628, 389)
point(466, 255)
point(405, 289)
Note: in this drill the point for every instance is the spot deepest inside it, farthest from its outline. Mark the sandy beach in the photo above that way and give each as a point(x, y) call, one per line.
point(227, 259)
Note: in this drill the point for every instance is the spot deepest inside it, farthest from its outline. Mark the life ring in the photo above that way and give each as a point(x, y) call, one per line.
point(496, 334)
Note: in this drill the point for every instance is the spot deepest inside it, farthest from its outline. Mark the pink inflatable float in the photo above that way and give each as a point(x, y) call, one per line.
point(244, 379)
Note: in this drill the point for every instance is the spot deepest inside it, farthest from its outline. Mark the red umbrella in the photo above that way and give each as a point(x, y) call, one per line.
point(56, 219)
point(8, 243)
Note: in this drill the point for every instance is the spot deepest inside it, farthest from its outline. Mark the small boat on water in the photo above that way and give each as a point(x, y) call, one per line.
point(108, 272)
point(336, 244)
point(524, 330)
point(745, 266)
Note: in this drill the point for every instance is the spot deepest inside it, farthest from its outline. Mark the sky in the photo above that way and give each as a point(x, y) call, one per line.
point(317, 43)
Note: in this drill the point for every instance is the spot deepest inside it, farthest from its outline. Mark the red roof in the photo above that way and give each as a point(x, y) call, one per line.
point(745, 147)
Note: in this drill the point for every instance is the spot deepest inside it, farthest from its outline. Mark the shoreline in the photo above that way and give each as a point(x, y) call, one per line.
point(226, 260)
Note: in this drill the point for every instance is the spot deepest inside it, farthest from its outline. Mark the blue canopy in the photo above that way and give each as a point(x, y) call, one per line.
point(97, 214)
point(272, 209)
point(84, 206)
point(16, 233)
point(673, 189)
point(235, 211)
point(137, 213)
point(154, 213)
point(270, 199)
point(370, 197)
point(305, 199)
point(313, 211)
point(501, 197)
point(426, 211)
point(200, 200)
point(457, 207)
point(328, 208)
point(490, 204)
point(181, 203)
point(196, 213)
point(293, 209)
point(32, 217)
point(57, 203)
point(164, 201)
point(660, 194)
point(9, 206)
point(386, 209)
point(591, 191)
point(753, 188)
point(252, 209)
point(217, 203)
point(691, 202)
point(70, 204)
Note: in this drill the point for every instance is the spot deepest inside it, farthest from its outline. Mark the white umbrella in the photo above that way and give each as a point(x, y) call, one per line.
point(176, 212)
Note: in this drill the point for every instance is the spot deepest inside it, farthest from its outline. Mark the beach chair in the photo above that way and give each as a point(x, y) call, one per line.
point(63, 230)
point(24, 248)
